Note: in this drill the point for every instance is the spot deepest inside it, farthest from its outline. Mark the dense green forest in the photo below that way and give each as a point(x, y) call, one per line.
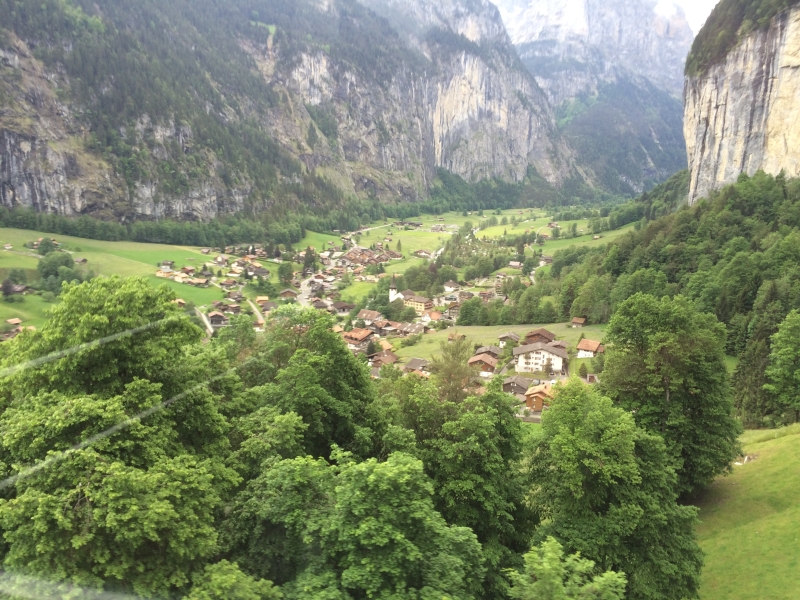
point(733, 255)
point(269, 465)
point(729, 22)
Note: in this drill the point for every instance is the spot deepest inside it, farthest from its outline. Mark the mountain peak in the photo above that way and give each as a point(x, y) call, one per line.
point(648, 38)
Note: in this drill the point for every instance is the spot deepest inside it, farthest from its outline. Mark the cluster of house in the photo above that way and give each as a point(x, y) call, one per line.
point(538, 352)
point(249, 250)
point(35, 245)
point(14, 327)
point(203, 276)
point(377, 327)
point(365, 257)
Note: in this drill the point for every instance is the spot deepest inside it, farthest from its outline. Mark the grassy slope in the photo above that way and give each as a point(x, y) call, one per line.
point(104, 258)
point(750, 527)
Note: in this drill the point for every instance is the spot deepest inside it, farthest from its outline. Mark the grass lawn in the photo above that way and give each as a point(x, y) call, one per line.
point(200, 296)
point(357, 291)
point(750, 528)
point(429, 346)
point(318, 241)
point(575, 365)
point(33, 311)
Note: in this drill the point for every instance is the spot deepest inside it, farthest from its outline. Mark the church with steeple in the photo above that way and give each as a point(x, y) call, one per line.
point(393, 293)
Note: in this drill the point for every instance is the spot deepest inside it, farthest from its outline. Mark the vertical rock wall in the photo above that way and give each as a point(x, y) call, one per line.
point(744, 114)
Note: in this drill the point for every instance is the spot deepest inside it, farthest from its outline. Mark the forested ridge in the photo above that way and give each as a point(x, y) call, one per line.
point(734, 255)
point(729, 22)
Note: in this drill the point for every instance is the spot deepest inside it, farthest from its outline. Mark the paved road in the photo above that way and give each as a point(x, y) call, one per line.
point(305, 292)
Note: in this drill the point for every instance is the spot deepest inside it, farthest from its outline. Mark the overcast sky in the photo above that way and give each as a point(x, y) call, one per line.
point(697, 11)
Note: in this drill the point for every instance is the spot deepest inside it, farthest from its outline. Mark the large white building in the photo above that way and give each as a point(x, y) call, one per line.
point(532, 358)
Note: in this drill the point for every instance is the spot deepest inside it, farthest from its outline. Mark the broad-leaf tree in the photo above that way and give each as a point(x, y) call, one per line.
point(665, 364)
point(549, 575)
point(472, 451)
point(606, 488)
point(352, 530)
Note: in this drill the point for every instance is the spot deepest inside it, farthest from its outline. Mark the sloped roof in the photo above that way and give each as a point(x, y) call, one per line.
point(357, 335)
point(542, 332)
point(416, 364)
point(590, 345)
point(494, 350)
point(369, 315)
point(543, 388)
point(483, 358)
point(519, 380)
point(541, 347)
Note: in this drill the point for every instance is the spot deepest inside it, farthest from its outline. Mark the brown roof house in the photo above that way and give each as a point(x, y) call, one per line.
point(288, 294)
point(386, 357)
point(516, 385)
point(578, 322)
point(485, 362)
point(217, 319)
point(508, 337)
point(343, 308)
point(589, 348)
point(539, 397)
point(357, 339)
point(492, 350)
point(539, 336)
point(416, 365)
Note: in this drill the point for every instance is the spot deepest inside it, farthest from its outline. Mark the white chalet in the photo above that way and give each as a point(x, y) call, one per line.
point(532, 358)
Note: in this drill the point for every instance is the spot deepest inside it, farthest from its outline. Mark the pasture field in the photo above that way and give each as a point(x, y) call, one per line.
point(126, 259)
point(32, 312)
point(750, 529)
point(318, 241)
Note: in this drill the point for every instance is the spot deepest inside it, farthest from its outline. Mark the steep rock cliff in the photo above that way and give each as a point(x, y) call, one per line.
point(741, 115)
point(572, 45)
point(343, 106)
point(613, 70)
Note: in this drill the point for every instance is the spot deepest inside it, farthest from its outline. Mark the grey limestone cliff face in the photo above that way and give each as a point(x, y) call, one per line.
point(744, 113)
point(572, 45)
point(45, 166)
point(473, 111)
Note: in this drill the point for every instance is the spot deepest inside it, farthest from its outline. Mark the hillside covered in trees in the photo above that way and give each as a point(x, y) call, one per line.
point(269, 465)
point(733, 255)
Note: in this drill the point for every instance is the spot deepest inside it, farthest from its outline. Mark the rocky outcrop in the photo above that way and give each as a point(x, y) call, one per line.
point(458, 100)
point(743, 115)
point(573, 45)
point(45, 166)
point(473, 110)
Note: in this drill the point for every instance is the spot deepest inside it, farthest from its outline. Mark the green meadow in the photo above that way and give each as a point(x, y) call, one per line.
point(750, 528)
